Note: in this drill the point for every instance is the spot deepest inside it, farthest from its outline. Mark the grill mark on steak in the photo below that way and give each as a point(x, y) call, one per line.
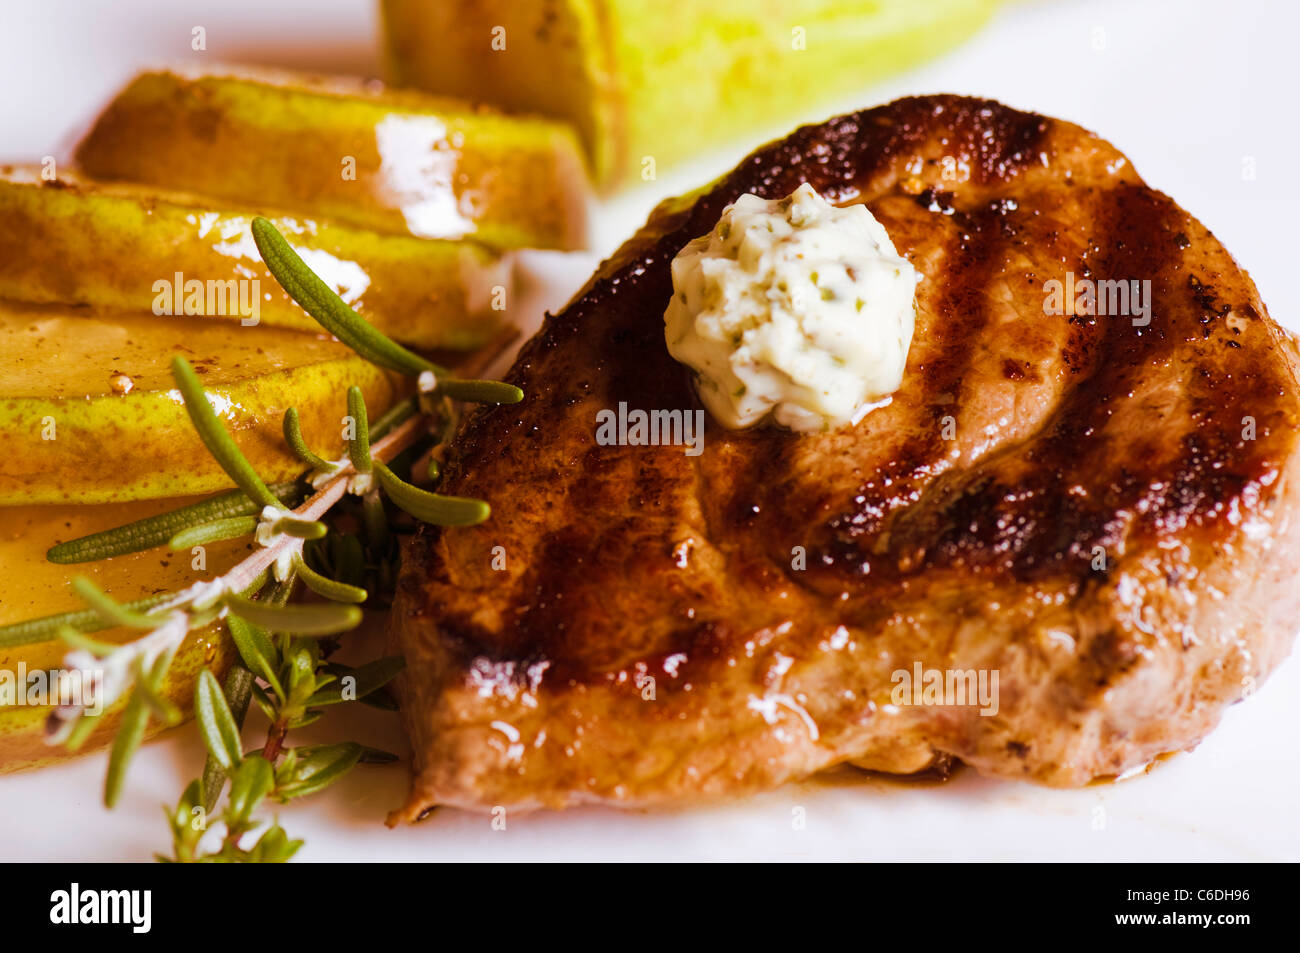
point(627, 563)
point(1031, 525)
point(962, 312)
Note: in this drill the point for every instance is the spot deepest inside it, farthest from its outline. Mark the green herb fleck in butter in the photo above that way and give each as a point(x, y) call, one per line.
point(793, 310)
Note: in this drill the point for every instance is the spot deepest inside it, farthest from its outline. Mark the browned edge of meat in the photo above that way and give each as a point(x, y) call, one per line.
point(1100, 512)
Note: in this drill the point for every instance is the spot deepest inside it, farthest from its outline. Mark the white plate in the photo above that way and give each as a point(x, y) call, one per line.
point(1200, 95)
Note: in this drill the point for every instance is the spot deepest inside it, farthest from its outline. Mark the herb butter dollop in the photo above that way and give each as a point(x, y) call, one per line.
point(793, 308)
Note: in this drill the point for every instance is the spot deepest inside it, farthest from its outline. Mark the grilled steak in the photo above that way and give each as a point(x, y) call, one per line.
point(1098, 508)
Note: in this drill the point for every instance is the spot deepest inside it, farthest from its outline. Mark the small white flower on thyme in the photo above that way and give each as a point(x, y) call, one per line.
point(427, 382)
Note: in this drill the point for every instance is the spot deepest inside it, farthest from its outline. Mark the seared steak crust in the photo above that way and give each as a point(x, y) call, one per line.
point(1101, 512)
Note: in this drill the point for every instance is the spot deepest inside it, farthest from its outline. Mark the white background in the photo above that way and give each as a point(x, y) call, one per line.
point(1198, 93)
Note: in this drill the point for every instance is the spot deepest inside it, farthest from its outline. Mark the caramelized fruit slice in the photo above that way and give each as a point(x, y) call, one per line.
point(34, 587)
point(394, 161)
point(89, 412)
point(122, 246)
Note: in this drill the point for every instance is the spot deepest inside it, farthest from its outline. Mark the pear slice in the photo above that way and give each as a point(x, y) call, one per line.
point(41, 589)
point(129, 247)
point(394, 161)
point(642, 82)
point(90, 414)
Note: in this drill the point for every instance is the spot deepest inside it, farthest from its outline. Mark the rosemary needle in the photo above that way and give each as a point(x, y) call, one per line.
point(33, 631)
point(324, 618)
point(156, 530)
point(238, 691)
point(81, 731)
point(300, 529)
point(214, 435)
point(431, 507)
point(79, 640)
point(135, 719)
point(481, 392)
point(359, 445)
point(328, 588)
point(214, 532)
point(112, 612)
point(334, 314)
point(341, 320)
point(294, 438)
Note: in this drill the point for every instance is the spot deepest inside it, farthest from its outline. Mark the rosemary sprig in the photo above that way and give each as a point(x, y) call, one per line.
point(243, 574)
point(282, 667)
point(252, 778)
point(133, 661)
